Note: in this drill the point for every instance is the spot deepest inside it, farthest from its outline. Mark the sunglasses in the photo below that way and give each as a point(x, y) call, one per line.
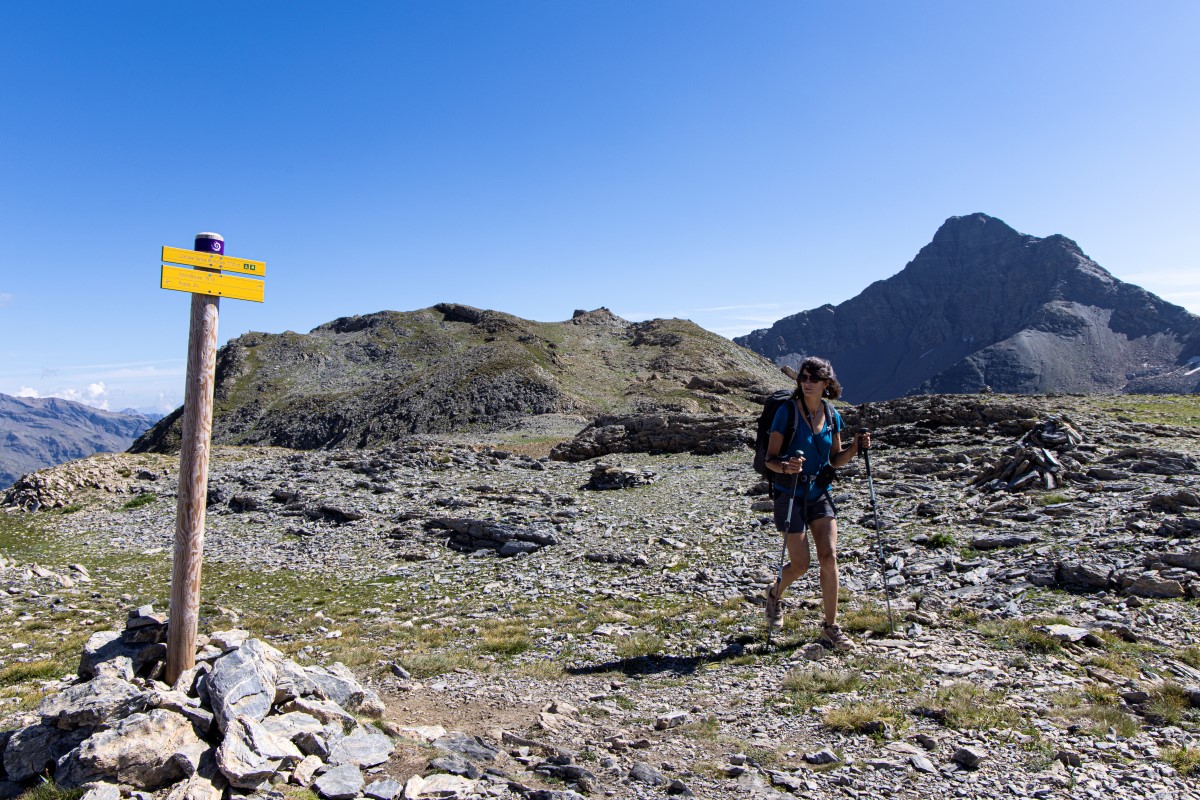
point(806, 377)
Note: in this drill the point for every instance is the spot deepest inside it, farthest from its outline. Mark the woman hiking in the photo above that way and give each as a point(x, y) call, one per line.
point(803, 470)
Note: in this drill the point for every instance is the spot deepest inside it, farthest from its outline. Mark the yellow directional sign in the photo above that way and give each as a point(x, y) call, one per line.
point(214, 283)
point(193, 258)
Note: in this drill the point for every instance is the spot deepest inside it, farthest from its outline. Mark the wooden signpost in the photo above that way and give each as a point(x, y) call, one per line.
point(208, 286)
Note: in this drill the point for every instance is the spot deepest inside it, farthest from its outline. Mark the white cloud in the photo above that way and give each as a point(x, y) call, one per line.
point(5, 299)
point(95, 395)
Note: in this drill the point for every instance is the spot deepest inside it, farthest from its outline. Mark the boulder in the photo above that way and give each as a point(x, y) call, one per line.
point(338, 684)
point(291, 725)
point(107, 647)
point(35, 749)
point(365, 747)
point(138, 751)
point(86, 704)
point(469, 747)
point(242, 683)
point(1151, 584)
point(249, 755)
point(445, 787)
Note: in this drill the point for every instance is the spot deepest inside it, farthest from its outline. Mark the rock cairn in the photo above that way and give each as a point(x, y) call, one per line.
point(1034, 461)
point(605, 477)
point(244, 718)
point(471, 535)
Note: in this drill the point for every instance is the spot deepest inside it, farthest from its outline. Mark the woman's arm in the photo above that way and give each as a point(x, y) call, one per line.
point(774, 464)
point(842, 455)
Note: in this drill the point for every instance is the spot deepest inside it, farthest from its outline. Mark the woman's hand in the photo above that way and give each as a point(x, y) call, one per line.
point(863, 440)
point(791, 466)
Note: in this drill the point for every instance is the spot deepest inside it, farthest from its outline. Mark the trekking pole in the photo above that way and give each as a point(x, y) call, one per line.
point(887, 592)
point(787, 525)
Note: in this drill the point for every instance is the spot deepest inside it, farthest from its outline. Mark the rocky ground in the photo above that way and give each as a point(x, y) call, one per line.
point(611, 642)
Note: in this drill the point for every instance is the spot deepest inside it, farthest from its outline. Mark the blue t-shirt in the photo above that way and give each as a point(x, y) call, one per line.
point(815, 449)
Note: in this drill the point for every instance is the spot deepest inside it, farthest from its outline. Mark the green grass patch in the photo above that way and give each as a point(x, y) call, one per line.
point(429, 665)
point(802, 688)
point(1119, 663)
point(48, 790)
point(869, 617)
point(506, 639)
point(1182, 410)
point(1106, 717)
point(939, 540)
point(969, 706)
point(707, 729)
point(1021, 633)
point(1051, 499)
point(861, 717)
point(1184, 760)
point(640, 645)
point(1189, 655)
point(1169, 703)
point(21, 672)
point(139, 501)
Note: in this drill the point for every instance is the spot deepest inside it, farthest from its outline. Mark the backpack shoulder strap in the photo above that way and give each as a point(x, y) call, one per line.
point(789, 430)
point(834, 422)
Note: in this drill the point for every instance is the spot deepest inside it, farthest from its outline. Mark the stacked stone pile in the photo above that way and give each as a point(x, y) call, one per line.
point(606, 476)
point(471, 535)
point(1036, 461)
point(243, 718)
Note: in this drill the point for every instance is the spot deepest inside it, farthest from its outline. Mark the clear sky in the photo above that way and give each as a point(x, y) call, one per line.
point(727, 162)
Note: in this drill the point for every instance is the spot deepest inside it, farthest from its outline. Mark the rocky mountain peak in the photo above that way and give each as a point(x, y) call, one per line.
point(983, 305)
point(600, 317)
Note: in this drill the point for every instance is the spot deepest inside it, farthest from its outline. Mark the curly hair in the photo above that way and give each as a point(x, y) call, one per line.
point(821, 368)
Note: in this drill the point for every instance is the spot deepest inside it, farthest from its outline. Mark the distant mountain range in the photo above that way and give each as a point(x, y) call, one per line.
point(41, 432)
point(983, 306)
point(368, 380)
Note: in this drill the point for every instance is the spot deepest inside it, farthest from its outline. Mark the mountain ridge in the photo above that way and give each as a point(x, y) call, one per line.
point(451, 368)
point(38, 432)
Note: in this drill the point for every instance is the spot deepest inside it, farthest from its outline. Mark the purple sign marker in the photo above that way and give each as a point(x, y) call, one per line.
point(209, 243)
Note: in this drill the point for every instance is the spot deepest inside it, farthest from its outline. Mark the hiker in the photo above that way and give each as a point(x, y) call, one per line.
point(805, 466)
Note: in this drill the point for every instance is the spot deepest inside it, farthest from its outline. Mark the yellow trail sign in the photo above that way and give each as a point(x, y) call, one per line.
point(214, 283)
point(193, 258)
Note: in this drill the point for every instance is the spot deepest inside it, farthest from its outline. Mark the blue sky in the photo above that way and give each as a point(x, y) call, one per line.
point(658, 158)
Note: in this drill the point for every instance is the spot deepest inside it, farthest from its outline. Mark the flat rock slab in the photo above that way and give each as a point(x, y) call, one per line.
point(339, 783)
point(470, 747)
point(383, 789)
point(444, 787)
point(86, 704)
point(363, 748)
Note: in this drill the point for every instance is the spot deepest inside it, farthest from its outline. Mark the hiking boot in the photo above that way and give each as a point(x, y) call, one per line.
point(774, 608)
point(835, 637)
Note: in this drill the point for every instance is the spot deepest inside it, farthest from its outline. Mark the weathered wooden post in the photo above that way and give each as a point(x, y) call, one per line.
point(207, 285)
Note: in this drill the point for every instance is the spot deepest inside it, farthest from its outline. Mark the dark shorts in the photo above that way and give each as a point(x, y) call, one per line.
point(821, 507)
